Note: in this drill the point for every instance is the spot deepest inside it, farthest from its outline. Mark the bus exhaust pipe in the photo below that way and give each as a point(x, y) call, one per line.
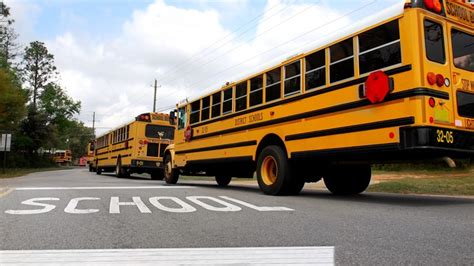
point(451, 163)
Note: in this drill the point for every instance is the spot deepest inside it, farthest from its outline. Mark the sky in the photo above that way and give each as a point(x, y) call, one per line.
point(109, 52)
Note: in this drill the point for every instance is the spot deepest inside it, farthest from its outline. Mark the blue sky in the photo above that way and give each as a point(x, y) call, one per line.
point(109, 52)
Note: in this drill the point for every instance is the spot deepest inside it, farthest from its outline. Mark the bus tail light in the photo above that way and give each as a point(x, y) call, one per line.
point(432, 102)
point(431, 78)
point(377, 86)
point(433, 5)
point(188, 134)
point(439, 80)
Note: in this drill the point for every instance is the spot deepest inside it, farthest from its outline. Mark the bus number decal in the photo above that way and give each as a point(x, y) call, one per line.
point(445, 136)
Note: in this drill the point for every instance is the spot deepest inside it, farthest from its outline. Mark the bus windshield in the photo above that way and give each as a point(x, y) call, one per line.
point(155, 131)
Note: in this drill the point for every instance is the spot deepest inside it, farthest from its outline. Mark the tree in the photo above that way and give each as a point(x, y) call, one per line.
point(12, 101)
point(57, 104)
point(38, 68)
point(9, 48)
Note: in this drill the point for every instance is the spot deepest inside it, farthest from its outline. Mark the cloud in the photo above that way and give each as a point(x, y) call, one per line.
point(113, 77)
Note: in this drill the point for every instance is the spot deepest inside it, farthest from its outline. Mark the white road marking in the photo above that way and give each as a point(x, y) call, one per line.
point(33, 202)
point(72, 206)
point(192, 256)
point(227, 207)
point(98, 188)
point(137, 201)
point(260, 209)
point(184, 206)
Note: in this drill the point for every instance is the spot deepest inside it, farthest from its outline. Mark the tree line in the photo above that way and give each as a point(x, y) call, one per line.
point(34, 107)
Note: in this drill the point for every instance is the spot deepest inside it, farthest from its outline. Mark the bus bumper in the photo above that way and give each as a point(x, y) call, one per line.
point(146, 164)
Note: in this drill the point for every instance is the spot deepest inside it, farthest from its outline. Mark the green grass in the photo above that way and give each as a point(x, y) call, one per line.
point(439, 186)
point(10, 173)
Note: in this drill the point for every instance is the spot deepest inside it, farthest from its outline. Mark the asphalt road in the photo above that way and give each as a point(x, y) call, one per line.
point(75, 209)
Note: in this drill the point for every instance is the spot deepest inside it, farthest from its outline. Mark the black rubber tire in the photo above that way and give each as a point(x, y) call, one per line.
point(171, 175)
point(119, 169)
point(98, 170)
point(90, 168)
point(158, 175)
point(283, 179)
point(223, 180)
point(348, 180)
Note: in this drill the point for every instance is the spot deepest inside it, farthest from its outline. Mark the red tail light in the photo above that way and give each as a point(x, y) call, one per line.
point(431, 78)
point(439, 80)
point(432, 102)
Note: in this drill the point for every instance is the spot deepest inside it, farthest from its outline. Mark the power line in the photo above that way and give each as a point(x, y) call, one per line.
point(297, 37)
point(176, 66)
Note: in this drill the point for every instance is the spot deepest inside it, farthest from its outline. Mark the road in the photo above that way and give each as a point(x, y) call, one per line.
point(75, 209)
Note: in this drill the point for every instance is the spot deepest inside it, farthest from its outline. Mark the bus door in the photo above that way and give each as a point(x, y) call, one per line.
point(461, 43)
point(182, 130)
point(437, 70)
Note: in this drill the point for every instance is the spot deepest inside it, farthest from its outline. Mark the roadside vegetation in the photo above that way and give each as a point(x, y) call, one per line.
point(429, 179)
point(34, 108)
point(16, 172)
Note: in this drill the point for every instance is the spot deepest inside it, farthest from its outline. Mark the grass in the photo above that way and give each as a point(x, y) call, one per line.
point(10, 173)
point(463, 185)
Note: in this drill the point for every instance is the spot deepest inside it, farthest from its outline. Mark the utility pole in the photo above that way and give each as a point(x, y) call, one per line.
point(154, 97)
point(93, 123)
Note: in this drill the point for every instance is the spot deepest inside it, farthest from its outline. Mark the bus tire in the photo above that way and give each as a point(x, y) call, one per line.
point(120, 172)
point(98, 170)
point(171, 175)
point(157, 175)
point(223, 180)
point(273, 171)
point(350, 180)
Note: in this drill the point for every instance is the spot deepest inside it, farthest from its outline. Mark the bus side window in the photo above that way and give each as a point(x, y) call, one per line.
point(342, 61)
point(241, 96)
point(181, 118)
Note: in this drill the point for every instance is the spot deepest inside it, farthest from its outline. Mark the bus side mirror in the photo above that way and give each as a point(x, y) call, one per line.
point(173, 117)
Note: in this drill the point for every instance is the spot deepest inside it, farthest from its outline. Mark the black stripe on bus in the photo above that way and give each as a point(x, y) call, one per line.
point(130, 139)
point(332, 109)
point(358, 149)
point(220, 147)
point(121, 149)
point(222, 160)
point(351, 129)
point(394, 71)
point(113, 157)
point(101, 159)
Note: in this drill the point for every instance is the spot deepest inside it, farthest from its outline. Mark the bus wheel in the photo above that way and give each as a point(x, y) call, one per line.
point(119, 170)
point(171, 175)
point(157, 175)
point(98, 170)
point(348, 180)
point(223, 180)
point(273, 171)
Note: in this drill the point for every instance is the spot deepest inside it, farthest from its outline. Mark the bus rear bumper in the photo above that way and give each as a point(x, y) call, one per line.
point(416, 143)
point(145, 164)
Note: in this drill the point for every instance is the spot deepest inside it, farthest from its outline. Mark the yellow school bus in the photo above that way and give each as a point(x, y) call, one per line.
point(90, 155)
point(399, 90)
point(62, 157)
point(136, 147)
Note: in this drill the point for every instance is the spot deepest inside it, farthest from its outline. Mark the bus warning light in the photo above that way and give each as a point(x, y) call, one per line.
point(434, 5)
point(377, 86)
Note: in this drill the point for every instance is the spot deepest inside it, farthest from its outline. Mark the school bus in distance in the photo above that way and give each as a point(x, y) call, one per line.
point(90, 155)
point(397, 90)
point(62, 157)
point(136, 147)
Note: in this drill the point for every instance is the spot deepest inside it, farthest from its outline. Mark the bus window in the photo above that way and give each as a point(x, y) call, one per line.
point(181, 118)
point(227, 103)
point(273, 88)
point(434, 42)
point(463, 49)
point(379, 47)
point(216, 104)
point(241, 96)
point(315, 70)
point(159, 132)
point(342, 61)
point(206, 101)
point(292, 78)
point(256, 91)
point(195, 108)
